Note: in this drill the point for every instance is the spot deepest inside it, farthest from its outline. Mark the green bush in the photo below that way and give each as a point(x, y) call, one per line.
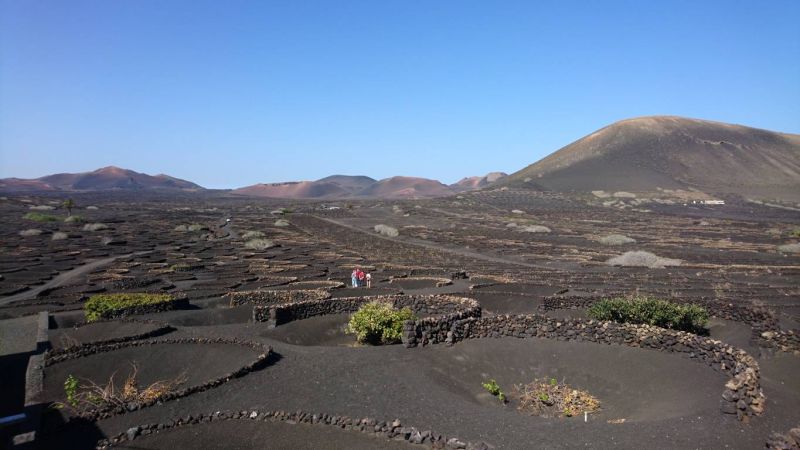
point(103, 305)
point(41, 217)
point(643, 310)
point(493, 388)
point(379, 323)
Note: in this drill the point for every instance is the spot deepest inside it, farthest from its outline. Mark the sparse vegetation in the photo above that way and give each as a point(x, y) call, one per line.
point(386, 230)
point(91, 396)
point(379, 323)
point(789, 248)
point(642, 259)
point(281, 223)
point(650, 311)
point(95, 227)
point(42, 208)
point(493, 388)
point(549, 398)
point(68, 204)
point(180, 228)
point(41, 217)
point(30, 232)
point(74, 219)
point(259, 244)
point(252, 235)
point(534, 229)
point(616, 239)
point(104, 305)
point(196, 227)
point(59, 236)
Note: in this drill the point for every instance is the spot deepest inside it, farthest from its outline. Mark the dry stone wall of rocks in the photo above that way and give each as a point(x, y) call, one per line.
point(261, 360)
point(393, 430)
point(444, 308)
point(274, 297)
point(742, 395)
point(765, 328)
point(788, 441)
point(176, 303)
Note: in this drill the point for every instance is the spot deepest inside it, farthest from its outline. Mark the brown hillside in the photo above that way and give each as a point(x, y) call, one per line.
point(647, 153)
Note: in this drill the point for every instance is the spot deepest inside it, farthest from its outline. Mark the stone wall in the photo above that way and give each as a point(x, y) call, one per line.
point(393, 430)
point(742, 395)
point(446, 308)
point(788, 441)
point(261, 360)
point(175, 303)
point(766, 331)
point(274, 297)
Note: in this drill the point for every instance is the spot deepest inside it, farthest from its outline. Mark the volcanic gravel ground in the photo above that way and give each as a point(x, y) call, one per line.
point(668, 401)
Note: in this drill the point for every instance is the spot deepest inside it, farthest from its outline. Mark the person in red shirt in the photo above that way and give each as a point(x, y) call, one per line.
point(361, 275)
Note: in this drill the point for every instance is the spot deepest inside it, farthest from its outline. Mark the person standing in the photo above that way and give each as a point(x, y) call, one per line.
point(354, 277)
point(361, 277)
point(369, 280)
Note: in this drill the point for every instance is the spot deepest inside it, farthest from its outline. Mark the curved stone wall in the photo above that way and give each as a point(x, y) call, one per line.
point(274, 297)
point(390, 430)
point(742, 395)
point(443, 308)
point(261, 360)
point(766, 331)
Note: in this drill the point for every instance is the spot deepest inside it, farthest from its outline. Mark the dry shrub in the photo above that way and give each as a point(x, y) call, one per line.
point(616, 239)
point(95, 227)
point(789, 248)
point(642, 259)
point(549, 398)
point(252, 235)
point(535, 229)
point(60, 235)
point(92, 396)
point(30, 232)
point(386, 230)
point(259, 244)
point(281, 223)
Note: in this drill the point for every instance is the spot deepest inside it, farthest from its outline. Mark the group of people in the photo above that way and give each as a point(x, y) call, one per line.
point(360, 278)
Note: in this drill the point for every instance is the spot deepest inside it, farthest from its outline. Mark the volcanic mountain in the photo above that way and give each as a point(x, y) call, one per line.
point(406, 187)
point(343, 186)
point(107, 178)
point(470, 183)
point(666, 152)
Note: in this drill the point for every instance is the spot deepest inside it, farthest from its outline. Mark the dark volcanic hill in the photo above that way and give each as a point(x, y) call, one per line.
point(107, 178)
point(647, 153)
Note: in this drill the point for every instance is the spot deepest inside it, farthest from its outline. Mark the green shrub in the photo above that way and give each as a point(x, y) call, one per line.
point(71, 390)
point(643, 310)
point(379, 323)
point(41, 217)
point(103, 305)
point(493, 388)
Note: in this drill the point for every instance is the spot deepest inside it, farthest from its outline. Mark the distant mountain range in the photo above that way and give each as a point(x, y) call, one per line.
point(329, 188)
point(645, 154)
point(344, 186)
point(663, 152)
point(107, 178)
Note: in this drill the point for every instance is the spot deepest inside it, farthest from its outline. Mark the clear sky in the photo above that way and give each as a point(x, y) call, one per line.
point(231, 93)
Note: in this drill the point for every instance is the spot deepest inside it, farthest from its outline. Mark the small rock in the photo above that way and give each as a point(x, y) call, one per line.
point(132, 433)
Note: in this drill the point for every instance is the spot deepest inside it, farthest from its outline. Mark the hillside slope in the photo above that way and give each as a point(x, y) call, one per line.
point(647, 153)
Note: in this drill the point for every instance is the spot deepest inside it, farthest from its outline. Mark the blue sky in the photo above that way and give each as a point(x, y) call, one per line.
point(231, 93)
